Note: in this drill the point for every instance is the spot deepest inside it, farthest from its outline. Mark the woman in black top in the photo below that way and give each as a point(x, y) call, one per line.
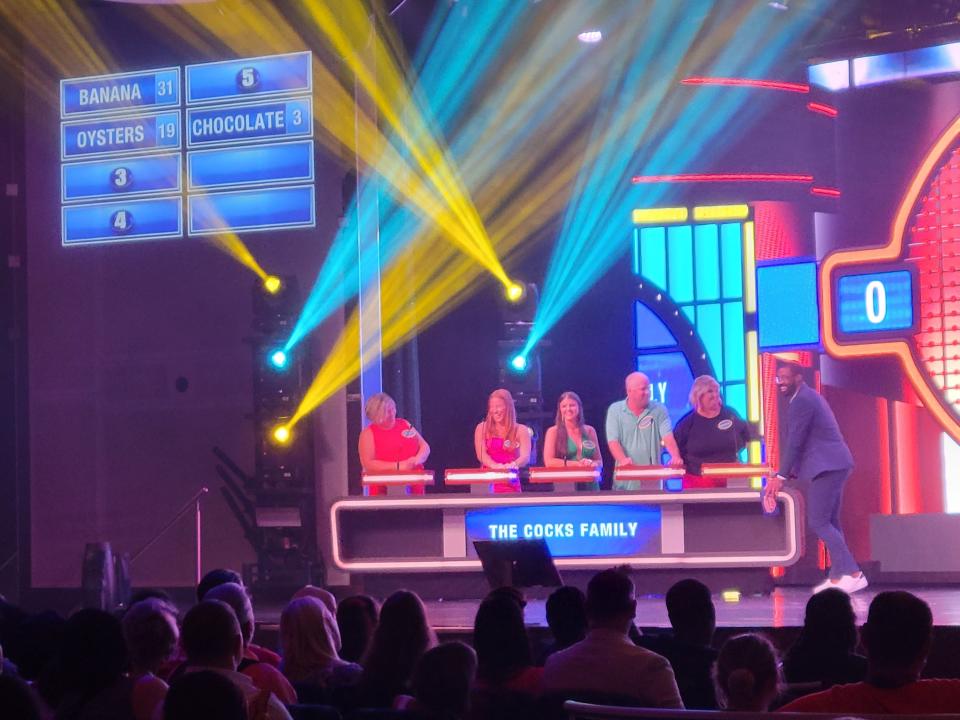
point(710, 433)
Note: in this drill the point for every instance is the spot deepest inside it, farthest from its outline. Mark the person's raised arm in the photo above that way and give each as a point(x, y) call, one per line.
point(420, 457)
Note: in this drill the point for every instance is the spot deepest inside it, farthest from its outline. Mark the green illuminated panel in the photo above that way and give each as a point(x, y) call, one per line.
point(680, 251)
point(731, 260)
point(711, 334)
point(707, 254)
point(653, 255)
point(733, 352)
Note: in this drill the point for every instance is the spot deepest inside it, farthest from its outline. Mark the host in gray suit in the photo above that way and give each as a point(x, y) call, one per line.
point(814, 451)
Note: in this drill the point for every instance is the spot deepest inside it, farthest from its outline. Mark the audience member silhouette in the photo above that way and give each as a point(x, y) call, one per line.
point(443, 680)
point(212, 639)
point(693, 620)
point(824, 652)
point(606, 661)
point(17, 700)
point(309, 639)
point(216, 577)
point(264, 673)
point(90, 666)
point(324, 596)
point(151, 633)
point(357, 618)
point(400, 639)
point(504, 660)
point(566, 617)
point(204, 695)
point(747, 673)
point(897, 638)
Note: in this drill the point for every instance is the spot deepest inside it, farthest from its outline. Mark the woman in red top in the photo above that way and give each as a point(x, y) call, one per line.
point(390, 443)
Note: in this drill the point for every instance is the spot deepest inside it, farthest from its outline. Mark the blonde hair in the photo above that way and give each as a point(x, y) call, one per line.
point(700, 386)
point(309, 638)
point(489, 425)
point(375, 406)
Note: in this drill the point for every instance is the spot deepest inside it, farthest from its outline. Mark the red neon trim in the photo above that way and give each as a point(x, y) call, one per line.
point(827, 110)
point(723, 177)
point(825, 191)
point(746, 82)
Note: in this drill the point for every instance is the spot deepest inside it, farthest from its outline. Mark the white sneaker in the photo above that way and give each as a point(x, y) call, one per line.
point(828, 583)
point(850, 584)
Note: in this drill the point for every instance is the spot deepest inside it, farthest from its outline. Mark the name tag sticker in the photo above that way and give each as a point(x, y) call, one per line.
point(409, 433)
point(645, 422)
point(725, 424)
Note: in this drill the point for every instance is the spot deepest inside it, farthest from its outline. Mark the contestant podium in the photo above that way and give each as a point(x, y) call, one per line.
point(652, 528)
point(479, 480)
point(565, 479)
point(737, 475)
point(397, 481)
point(650, 477)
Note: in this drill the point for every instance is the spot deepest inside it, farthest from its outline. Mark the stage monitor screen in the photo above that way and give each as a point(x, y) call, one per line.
point(205, 149)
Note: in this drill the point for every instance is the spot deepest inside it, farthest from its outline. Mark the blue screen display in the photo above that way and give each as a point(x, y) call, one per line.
point(788, 314)
point(125, 134)
point(572, 530)
point(875, 302)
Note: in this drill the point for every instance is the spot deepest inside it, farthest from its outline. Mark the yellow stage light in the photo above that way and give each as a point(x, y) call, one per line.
point(515, 292)
point(272, 284)
point(655, 216)
point(281, 434)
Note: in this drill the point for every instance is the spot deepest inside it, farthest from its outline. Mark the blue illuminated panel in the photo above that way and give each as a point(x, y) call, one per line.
point(680, 263)
point(250, 210)
point(874, 69)
point(653, 255)
point(833, 75)
point(250, 77)
point(246, 123)
point(710, 330)
point(787, 311)
point(670, 380)
point(651, 330)
point(572, 530)
point(122, 221)
point(259, 164)
point(731, 260)
point(121, 176)
point(875, 302)
point(123, 135)
point(734, 354)
point(123, 91)
point(707, 254)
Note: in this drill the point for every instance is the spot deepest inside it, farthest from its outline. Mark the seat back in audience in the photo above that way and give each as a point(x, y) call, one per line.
point(306, 711)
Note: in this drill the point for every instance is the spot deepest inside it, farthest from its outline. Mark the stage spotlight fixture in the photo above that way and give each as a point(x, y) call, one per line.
point(519, 363)
point(590, 37)
point(515, 292)
point(281, 435)
point(278, 358)
point(272, 284)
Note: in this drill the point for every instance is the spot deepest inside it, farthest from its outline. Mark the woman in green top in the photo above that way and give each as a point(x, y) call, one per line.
point(571, 441)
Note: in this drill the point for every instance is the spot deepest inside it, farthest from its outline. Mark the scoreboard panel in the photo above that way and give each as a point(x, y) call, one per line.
point(148, 155)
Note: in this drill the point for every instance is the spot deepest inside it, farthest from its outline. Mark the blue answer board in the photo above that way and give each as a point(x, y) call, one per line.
point(240, 130)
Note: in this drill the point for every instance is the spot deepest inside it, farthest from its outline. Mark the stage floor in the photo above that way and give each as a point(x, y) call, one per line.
point(782, 608)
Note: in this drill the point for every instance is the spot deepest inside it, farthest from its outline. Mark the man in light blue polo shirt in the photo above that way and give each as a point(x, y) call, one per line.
point(638, 427)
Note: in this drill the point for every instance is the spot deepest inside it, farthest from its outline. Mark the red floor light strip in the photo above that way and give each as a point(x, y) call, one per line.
point(827, 110)
point(723, 177)
point(825, 191)
point(746, 82)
